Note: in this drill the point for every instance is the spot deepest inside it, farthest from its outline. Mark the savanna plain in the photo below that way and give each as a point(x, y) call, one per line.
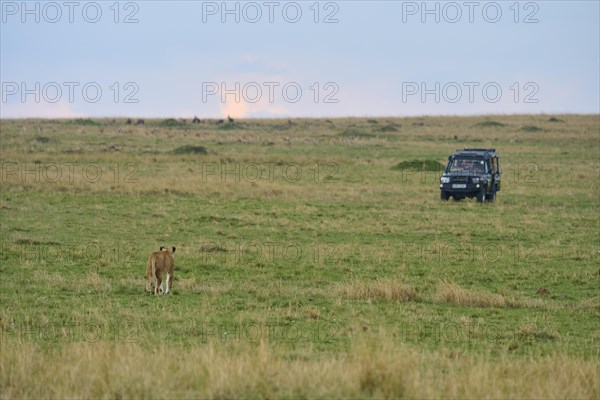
point(314, 259)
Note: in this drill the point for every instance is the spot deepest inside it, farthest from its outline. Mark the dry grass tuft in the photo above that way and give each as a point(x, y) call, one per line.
point(530, 331)
point(385, 289)
point(214, 370)
point(455, 294)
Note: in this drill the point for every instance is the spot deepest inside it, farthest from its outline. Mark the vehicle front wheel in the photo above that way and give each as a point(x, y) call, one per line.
point(444, 195)
point(481, 196)
point(491, 197)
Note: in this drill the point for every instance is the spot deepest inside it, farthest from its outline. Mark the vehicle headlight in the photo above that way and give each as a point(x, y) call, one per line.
point(445, 179)
point(476, 180)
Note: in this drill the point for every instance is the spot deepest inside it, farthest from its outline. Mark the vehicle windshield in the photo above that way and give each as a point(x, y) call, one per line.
point(466, 166)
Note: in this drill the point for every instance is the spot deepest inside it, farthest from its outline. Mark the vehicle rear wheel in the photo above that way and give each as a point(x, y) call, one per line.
point(444, 195)
point(491, 197)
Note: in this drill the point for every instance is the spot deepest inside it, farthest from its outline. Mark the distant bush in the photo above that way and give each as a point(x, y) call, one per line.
point(552, 119)
point(86, 122)
point(490, 124)
point(389, 128)
point(189, 149)
point(171, 123)
point(531, 128)
point(419, 165)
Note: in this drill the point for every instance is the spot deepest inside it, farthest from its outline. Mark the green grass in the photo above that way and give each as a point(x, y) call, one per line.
point(419, 166)
point(305, 242)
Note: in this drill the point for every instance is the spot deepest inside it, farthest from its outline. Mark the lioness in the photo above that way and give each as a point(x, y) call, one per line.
point(159, 263)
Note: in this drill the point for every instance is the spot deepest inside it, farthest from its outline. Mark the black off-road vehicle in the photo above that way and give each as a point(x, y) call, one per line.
point(471, 173)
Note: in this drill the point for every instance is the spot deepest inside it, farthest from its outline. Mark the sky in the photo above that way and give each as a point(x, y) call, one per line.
point(286, 59)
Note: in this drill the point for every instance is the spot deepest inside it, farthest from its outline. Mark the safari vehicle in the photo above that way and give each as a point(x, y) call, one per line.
point(471, 173)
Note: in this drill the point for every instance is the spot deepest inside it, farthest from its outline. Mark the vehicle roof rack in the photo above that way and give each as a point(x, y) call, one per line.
point(473, 149)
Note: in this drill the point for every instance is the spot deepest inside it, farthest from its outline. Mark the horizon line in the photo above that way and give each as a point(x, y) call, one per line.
point(301, 117)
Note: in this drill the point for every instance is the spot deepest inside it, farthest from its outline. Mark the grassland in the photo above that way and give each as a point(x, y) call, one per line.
point(314, 259)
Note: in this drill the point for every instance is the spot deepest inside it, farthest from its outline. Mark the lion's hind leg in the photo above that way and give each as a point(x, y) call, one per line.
point(149, 277)
point(169, 283)
point(158, 289)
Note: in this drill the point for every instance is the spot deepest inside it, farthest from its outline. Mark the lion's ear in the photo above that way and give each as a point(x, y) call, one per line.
point(173, 249)
point(162, 248)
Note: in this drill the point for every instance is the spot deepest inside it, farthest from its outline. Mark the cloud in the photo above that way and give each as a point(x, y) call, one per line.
point(255, 107)
point(234, 109)
point(244, 109)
